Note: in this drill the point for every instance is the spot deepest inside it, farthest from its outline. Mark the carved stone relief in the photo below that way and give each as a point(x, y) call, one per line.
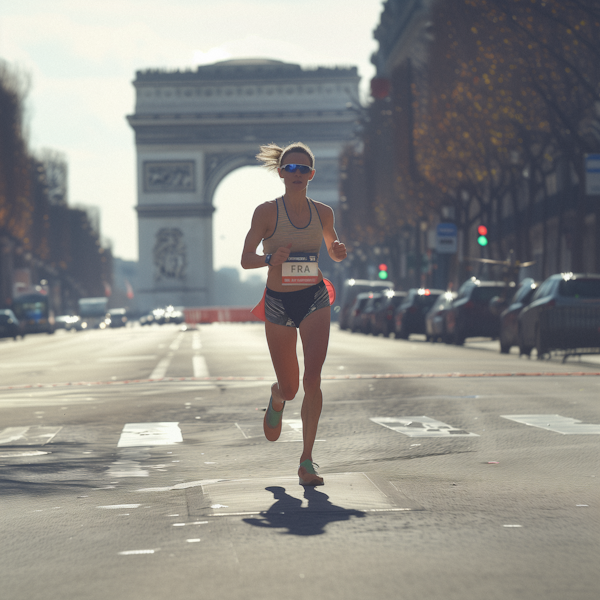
point(169, 176)
point(170, 255)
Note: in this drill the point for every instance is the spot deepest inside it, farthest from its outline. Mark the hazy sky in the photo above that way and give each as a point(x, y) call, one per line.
point(81, 57)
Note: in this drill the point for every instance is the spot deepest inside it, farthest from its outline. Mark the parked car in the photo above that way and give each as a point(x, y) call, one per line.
point(509, 324)
point(351, 289)
point(470, 314)
point(382, 321)
point(564, 314)
point(410, 315)
point(435, 319)
point(68, 322)
point(116, 317)
point(10, 326)
point(367, 314)
point(357, 307)
point(147, 319)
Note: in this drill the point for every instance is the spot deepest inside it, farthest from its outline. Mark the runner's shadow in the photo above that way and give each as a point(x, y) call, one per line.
point(288, 513)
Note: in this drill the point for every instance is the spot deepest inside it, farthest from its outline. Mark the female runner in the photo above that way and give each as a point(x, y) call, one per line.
point(291, 229)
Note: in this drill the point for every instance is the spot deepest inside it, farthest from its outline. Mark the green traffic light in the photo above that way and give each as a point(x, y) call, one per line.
point(383, 275)
point(482, 240)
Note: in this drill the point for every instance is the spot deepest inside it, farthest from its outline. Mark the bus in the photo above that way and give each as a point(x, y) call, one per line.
point(93, 312)
point(35, 312)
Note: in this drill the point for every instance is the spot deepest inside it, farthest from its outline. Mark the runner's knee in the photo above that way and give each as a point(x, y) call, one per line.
point(311, 383)
point(289, 390)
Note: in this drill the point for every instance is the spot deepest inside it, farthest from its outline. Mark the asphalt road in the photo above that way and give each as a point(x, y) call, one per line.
point(133, 465)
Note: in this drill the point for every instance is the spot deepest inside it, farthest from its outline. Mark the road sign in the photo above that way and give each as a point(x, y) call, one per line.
point(446, 236)
point(592, 174)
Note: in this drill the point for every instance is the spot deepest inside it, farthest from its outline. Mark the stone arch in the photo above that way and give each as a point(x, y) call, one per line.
point(217, 166)
point(193, 128)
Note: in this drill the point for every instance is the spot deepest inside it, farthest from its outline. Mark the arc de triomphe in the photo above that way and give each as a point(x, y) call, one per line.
point(192, 128)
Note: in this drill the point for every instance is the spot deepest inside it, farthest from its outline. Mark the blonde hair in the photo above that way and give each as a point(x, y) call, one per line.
point(272, 155)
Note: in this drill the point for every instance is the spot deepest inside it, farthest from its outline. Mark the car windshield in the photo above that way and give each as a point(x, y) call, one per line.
point(485, 294)
point(580, 288)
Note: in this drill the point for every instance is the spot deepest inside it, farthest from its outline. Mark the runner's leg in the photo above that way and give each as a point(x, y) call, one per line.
point(314, 332)
point(282, 346)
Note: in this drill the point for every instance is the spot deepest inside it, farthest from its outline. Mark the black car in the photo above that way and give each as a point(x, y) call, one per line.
point(509, 323)
point(10, 325)
point(564, 314)
point(410, 315)
point(382, 320)
point(368, 314)
point(435, 319)
point(350, 290)
point(357, 308)
point(470, 314)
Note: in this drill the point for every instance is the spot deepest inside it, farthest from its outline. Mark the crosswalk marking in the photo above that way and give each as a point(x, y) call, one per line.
point(28, 436)
point(421, 427)
point(556, 423)
point(161, 368)
point(150, 434)
point(196, 342)
point(200, 366)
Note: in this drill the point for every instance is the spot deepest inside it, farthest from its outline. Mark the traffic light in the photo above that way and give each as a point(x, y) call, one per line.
point(383, 271)
point(482, 239)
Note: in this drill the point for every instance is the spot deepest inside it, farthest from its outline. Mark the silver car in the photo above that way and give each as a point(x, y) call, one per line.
point(564, 314)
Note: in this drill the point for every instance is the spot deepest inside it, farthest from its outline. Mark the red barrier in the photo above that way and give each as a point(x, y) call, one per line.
point(219, 314)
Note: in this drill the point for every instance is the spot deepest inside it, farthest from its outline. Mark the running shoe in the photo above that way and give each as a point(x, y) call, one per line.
point(308, 475)
point(272, 422)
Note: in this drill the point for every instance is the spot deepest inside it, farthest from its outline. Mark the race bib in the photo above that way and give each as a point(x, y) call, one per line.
point(300, 269)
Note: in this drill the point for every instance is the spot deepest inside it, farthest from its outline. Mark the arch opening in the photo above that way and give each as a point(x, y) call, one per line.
point(235, 199)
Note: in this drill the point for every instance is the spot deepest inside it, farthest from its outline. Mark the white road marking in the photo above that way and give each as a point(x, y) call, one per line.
point(176, 343)
point(185, 486)
point(32, 435)
point(128, 552)
point(29, 365)
point(119, 359)
point(556, 423)
point(200, 366)
point(161, 367)
point(421, 427)
point(150, 434)
point(11, 434)
point(22, 454)
point(113, 506)
point(196, 342)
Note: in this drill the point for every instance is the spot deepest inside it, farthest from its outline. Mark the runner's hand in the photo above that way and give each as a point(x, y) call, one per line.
point(338, 251)
point(281, 255)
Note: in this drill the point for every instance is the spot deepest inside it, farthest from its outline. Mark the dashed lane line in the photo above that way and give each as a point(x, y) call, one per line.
point(369, 376)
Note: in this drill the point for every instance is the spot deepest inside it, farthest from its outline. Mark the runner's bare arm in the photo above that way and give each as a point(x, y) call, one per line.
point(263, 223)
point(258, 231)
point(335, 248)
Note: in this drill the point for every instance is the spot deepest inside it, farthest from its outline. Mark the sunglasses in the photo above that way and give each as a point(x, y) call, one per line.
point(293, 168)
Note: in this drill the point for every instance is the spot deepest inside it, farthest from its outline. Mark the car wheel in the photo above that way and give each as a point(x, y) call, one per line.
point(540, 346)
point(523, 349)
point(458, 338)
